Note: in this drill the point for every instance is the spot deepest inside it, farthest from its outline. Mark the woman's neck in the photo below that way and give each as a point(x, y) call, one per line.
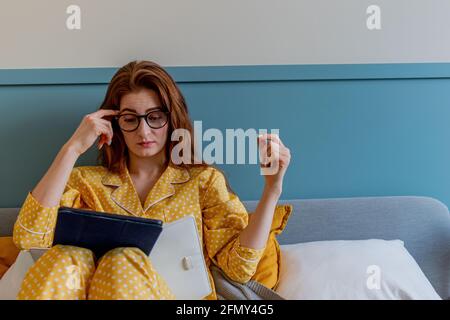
point(147, 167)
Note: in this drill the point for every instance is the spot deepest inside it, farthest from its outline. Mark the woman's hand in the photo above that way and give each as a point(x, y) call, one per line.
point(90, 128)
point(275, 158)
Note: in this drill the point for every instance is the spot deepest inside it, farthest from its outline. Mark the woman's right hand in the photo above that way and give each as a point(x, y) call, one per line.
point(90, 128)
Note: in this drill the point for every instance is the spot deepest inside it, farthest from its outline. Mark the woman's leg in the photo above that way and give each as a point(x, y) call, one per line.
point(63, 272)
point(127, 273)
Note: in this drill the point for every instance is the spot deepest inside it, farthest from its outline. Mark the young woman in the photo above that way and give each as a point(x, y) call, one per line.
point(137, 176)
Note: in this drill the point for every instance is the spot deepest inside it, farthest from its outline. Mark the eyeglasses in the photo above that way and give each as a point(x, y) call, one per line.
point(130, 122)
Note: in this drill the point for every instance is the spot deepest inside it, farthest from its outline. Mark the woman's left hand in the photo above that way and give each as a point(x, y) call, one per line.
point(273, 152)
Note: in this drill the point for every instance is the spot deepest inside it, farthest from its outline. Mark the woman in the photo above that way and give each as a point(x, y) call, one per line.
point(137, 176)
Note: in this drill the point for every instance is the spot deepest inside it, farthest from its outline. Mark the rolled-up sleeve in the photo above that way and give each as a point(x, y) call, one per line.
point(224, 217)
point(35, 224)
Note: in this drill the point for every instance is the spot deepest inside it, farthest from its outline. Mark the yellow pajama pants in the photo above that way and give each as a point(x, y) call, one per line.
point(70, 273)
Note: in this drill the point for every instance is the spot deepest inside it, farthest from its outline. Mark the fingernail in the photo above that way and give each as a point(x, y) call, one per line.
point(109, 142)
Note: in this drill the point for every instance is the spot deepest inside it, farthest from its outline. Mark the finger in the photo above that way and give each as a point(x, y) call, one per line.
point(105, 133)
point(270, 137)
point(105, 112)
point(285, 158)
point(284, 149)
point(274, 147)
point(103, 139)
point(269, 153)
point(263, 137)
point(264, 147)
point(275, 137)
point(100, 142)
point(107, 129)
point(112, 133)
point(267, 148)
point(285, 155)
point(108, 125)
point(264, 141)
point(263, 156)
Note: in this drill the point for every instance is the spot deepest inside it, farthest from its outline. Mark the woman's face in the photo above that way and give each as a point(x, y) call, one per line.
point(141, 102)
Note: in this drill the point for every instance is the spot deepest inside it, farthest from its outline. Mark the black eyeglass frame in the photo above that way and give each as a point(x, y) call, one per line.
point(145, 116)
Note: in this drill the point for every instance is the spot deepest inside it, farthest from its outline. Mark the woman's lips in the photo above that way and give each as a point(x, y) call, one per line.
point(146, 144)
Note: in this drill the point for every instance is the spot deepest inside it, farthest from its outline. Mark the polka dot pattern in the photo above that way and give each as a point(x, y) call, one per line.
point(50, 278)
point(127, 274)
point(70, 273)
point(201, 192)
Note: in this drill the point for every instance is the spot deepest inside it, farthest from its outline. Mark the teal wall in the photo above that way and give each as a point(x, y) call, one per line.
point(353, 130)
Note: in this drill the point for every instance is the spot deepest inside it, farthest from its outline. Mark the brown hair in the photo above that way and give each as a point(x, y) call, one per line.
point(133, 77)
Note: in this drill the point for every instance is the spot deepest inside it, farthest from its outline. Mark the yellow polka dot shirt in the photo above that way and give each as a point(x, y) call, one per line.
point(197, 191)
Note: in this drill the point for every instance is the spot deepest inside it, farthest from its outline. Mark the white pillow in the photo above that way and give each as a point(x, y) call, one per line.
point(12, 279)
point(351, 269)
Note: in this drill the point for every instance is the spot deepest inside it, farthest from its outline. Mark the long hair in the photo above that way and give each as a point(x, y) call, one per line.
point(133, 77)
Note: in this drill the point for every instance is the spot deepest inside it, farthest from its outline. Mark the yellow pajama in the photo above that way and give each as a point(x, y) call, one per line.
point(197, 191)
point(70, 273)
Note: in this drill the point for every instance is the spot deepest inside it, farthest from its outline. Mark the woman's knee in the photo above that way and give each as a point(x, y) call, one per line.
point(62, 272)
point(121, 252)
point(70, 255)
point(127, 273)
point(71, 251)
point(131, 257)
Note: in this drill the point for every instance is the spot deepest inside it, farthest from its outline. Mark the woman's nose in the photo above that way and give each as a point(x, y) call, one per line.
point(144, 127)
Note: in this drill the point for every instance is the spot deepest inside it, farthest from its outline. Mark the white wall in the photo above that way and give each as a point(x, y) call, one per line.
point(221, 32)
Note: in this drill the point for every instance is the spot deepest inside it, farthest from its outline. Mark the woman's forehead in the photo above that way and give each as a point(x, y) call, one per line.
point(141, 101)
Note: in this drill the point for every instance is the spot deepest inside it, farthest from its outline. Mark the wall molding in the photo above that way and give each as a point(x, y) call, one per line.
point(244, 73)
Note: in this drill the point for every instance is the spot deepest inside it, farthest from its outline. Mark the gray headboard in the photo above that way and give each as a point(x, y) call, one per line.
point(422, 223)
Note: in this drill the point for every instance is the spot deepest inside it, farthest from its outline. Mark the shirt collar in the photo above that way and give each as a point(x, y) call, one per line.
point(125, 194)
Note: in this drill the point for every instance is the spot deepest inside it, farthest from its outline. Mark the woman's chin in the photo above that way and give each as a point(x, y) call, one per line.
point(147, 152)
